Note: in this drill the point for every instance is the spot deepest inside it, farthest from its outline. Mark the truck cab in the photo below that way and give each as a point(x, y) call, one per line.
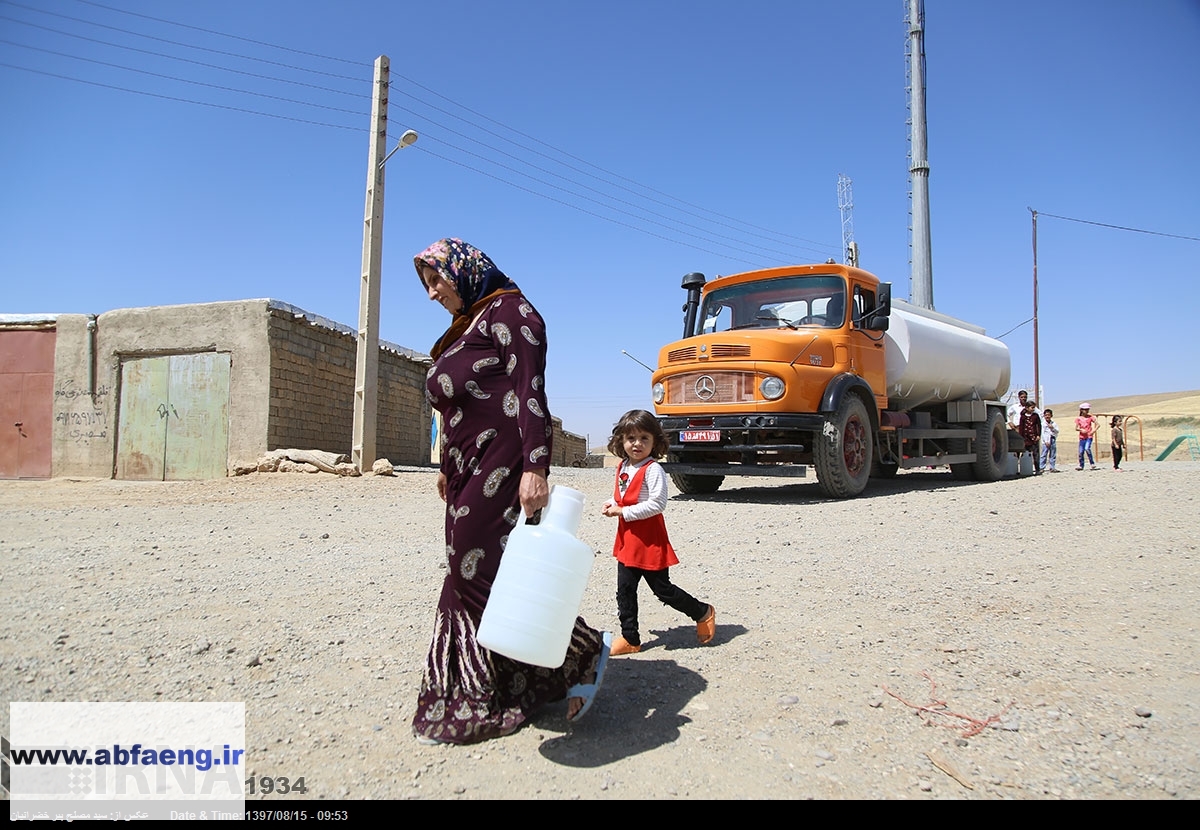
point(764, 354)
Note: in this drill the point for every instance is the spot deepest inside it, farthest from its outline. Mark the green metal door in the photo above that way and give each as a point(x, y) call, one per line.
point(198, 421)
point(141, 434)
point(174, 417)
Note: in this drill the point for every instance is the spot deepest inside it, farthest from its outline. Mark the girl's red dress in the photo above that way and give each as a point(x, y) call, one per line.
point(643, 543)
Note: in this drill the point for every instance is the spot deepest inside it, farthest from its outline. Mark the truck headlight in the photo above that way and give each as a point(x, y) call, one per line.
point(660, 393)
point(771, 388)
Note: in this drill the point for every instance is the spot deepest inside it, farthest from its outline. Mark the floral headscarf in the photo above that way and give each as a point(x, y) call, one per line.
point(472, 273)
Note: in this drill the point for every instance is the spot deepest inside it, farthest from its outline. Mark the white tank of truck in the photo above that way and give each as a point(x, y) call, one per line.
point(932, 357)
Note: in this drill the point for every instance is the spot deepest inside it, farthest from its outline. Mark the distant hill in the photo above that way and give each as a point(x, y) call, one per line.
point(1152, 422)
point(1188, 403)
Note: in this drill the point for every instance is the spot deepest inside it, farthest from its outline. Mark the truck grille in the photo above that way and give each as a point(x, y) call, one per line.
point(728, 388)
point(717, 350)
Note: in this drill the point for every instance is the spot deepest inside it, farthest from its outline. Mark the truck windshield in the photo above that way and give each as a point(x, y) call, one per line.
point(789, 302)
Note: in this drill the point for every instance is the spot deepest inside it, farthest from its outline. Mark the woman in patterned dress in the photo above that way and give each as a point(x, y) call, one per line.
point(488, 383)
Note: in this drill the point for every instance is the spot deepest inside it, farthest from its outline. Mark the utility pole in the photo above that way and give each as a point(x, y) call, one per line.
point(1037, 389)
point(366, 365)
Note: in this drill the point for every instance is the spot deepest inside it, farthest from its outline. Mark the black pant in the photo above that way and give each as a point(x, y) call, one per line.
point(660, 584)
point(1117, 453)
point(1032, 449)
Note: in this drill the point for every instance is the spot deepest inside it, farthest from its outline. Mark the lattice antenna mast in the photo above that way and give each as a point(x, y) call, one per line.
point(920, 261)
point(846, 208)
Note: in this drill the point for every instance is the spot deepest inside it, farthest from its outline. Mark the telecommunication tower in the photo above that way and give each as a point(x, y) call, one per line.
point(846, 208)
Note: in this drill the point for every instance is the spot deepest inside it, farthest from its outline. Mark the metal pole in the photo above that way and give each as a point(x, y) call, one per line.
point(922, 261)
point(1037, 389)
point(366, 364)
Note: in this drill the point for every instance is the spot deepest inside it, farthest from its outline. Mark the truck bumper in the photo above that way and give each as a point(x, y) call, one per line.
point(751, 444)
point(778, 471)
point(757, 420)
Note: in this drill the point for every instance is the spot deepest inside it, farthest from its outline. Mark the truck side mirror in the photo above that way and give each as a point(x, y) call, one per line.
point(878, 318)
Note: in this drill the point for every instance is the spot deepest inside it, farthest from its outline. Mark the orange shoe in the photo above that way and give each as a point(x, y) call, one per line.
point(706, 629)
point(622, 646)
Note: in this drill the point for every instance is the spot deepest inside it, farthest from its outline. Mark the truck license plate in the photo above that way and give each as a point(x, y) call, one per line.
point(700, 435)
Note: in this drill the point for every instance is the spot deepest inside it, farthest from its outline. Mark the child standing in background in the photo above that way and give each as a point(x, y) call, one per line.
point(642, 548)
point(1118, 441)
point(1085, 425)
point(1049, 441)
point(1031, 430)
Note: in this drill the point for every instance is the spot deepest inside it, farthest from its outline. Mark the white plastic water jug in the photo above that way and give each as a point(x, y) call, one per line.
point(539, 585)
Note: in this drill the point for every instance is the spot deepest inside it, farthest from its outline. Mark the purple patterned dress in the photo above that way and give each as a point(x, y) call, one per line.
point(489, 388)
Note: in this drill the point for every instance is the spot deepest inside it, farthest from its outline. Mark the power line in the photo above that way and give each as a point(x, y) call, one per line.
point(1014, 328)
point(224, 34)
point(1119, 227)
point(181, 100)
point(675, 225)
point(580, 209)
point(184, 45)
point(467, 109)
point(181, 80)
point(203, 64)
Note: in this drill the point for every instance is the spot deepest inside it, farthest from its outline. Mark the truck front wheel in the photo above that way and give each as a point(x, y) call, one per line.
point(842, 452)
point(692, 485)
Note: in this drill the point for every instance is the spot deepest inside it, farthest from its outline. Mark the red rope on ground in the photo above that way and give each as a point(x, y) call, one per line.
point(938, 709)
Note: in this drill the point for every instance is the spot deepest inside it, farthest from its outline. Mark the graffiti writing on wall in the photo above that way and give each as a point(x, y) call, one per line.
point(84, 413)
point(89, 418)
point(67, 391)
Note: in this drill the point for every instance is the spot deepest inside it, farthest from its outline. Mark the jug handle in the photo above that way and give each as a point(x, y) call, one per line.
point(535, 519)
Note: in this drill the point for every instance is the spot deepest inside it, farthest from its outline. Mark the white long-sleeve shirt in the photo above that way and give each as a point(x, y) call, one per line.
point(1049, 431)
point(653, 496)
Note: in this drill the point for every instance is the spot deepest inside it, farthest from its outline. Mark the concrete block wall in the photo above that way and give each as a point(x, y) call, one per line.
point(311, 398)
point(569, 449)
point(404, 414)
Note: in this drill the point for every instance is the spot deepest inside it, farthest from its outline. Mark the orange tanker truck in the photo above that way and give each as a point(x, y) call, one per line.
point(816, 365)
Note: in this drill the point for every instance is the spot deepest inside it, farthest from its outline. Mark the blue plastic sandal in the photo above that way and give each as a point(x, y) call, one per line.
point(587, 691)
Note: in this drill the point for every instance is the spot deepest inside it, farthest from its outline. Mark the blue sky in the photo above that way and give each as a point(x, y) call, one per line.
point(599, 152)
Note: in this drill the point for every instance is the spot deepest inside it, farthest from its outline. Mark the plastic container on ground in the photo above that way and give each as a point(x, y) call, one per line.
point(539, 585)
point(1025, 467)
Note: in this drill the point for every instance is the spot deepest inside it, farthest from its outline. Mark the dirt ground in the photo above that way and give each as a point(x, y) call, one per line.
point(1035, 638)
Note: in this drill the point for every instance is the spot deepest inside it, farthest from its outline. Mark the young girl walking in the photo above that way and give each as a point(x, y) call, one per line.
point(642, 548)
point(1085, 425)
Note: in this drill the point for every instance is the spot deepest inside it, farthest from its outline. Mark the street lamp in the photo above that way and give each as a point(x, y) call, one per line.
point(407, 140)
point(366, 365)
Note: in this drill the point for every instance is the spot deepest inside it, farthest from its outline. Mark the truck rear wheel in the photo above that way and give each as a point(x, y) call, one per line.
point(991, 446)
point(842, 452)
point(693, 485)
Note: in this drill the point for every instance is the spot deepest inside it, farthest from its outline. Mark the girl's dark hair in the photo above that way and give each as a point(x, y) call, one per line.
point(642, 420)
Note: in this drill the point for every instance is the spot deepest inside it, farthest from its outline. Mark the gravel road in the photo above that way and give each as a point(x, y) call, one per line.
point(1035, 638)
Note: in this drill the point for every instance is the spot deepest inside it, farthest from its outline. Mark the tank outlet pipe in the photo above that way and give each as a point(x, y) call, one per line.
point(692, 283)
point(91, 355)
